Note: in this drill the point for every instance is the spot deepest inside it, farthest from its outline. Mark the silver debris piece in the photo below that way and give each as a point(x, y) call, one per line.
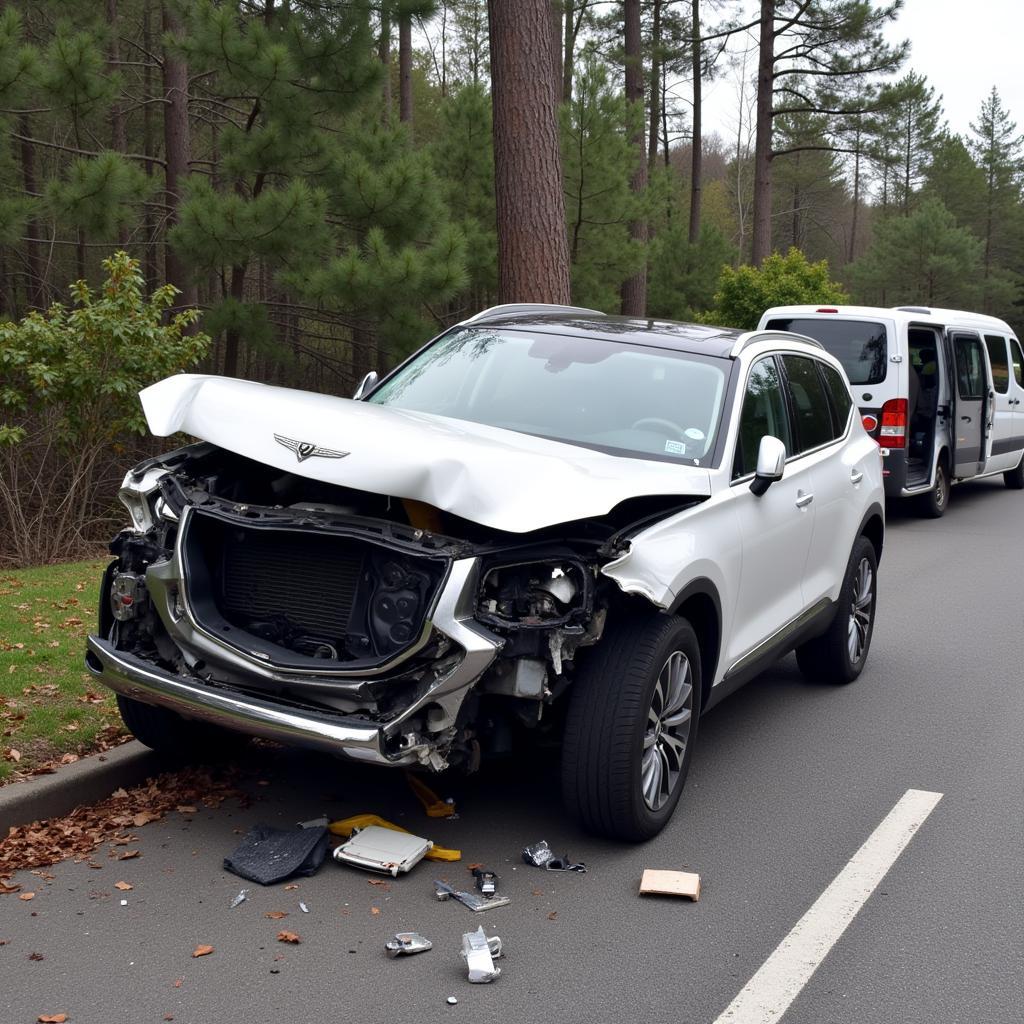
point(451, 1000)
point(382, 849)
point(475, 901)
point(407, 943)
point(480, 952)
point(303, 907)
point(540, 855)
point(240, 898)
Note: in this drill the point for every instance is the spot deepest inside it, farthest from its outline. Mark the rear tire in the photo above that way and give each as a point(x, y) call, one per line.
point(169, 733)
point(1014, 478)
point(838, 655)
point(631, 727)
point(934, 504)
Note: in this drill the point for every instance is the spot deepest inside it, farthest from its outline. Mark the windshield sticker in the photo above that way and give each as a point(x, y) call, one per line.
point(675, 448)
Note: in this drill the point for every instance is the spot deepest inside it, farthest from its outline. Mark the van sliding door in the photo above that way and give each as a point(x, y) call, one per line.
point(970, 429)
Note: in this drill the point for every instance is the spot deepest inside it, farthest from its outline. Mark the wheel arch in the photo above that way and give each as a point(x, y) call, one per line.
point(872, 526)
point(700, 604)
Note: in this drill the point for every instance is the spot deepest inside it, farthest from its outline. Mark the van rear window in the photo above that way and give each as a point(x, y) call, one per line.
point(859, 345)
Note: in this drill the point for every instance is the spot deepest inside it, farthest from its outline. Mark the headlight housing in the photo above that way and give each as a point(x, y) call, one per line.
point(537, 594)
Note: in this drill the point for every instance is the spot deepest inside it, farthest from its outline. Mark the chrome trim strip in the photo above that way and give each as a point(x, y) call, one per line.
point(777, 638)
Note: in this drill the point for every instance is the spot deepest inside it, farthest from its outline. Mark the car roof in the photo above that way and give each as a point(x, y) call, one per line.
point(657, 333)
point(899, 314)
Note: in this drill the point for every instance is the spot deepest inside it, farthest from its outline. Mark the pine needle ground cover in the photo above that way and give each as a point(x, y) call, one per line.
point(51, 709)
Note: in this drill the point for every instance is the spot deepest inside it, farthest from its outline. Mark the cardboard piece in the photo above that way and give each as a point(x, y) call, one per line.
point(670, 883)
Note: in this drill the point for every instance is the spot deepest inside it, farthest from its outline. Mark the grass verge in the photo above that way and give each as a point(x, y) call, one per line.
point(51, 709)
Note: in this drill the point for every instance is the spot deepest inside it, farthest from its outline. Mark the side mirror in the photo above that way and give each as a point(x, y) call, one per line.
point(366, 384)
point(771, 461)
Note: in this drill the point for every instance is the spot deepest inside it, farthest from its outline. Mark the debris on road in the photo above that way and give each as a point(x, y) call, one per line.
point(406, 944)
point(267, 855)
point(480, 952)
point(243, 895)
point(291, 937)
point(347, 826)
point(451, 1000)
point(52, 1018)
point(486, 881)
point(443, 891)
point(432, 803)
point(540, 855)
point(670, 883)
point(202, 951)
point(383, 849)
point(322, 822)
point(275, 915)
point(303, 907)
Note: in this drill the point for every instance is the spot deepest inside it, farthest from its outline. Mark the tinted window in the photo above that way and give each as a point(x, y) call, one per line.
point(621, 398)
point(764, 415)
point(859, 345)
point(1018, 361)
point(841, 400)
point(970, 367)
point(1000, 367)
point(813, 421)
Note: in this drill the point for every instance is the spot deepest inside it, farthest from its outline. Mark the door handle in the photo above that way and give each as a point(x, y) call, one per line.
point(856, 476)
point(966, 419)
point(803, 500)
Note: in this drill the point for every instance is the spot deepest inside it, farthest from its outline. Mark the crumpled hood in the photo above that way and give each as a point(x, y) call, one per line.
point(495, 477)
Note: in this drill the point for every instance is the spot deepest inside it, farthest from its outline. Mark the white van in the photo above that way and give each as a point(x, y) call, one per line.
point(941, 390)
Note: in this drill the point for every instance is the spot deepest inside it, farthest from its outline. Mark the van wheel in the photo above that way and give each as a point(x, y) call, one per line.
point(1014, 478)
point(838, 655)
point(631, 727)
point(933, 504)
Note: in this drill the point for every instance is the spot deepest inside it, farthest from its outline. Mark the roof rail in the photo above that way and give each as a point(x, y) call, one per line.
point(527, 309)
point(914, 309)
point(749, 337)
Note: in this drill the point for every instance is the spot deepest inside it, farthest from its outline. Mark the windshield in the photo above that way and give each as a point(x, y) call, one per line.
point(624, 399)
point(860, 345)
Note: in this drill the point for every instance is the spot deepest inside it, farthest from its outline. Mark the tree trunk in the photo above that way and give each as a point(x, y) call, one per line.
point(633, 293)
point(405, 68)
point(762, 227)
point(556, 46)
point(652, 138)
point(36, 291)
point(569, 45)
point(118, 131)
point(149, 223)
point(384, 53)
point(232, 341)
point(177, 148)
point(697, 149)
point(852, 254)
point(533, 251)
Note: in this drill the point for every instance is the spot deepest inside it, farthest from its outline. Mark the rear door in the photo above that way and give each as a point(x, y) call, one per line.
point(1017, 394)
point(971, 404)
point(1003, 444)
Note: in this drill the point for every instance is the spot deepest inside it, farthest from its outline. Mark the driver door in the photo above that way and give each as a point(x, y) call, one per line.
point(775, 528)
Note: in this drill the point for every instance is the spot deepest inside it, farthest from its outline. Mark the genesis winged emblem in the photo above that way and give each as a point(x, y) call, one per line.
point(307, 450)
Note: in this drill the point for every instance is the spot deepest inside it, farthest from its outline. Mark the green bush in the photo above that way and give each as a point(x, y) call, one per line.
point(746, 292)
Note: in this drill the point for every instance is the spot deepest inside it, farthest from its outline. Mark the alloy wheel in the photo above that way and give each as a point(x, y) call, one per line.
point(668, 731)
point(861, 609)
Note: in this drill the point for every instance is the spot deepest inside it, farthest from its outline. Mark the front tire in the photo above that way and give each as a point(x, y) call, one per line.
point(631, 727)
point(168, 733)
point(838, 655)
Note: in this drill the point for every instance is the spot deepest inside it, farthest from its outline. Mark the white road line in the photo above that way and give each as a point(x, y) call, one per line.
point(768, 994)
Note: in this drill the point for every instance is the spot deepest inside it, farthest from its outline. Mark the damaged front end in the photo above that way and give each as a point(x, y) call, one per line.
point(306, 612)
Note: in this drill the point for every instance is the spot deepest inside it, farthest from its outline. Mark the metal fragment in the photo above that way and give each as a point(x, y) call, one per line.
point(451, 1000)
point(406, 944)
point(540, 855)
point(480, 952)
point(303, 907)
point(475, 902)
point(240, 898)
point(486, 881)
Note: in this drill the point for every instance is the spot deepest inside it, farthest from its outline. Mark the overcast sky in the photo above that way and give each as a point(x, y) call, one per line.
point(962, 48)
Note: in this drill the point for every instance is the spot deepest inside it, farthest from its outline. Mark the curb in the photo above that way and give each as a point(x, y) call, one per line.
point(92, 778)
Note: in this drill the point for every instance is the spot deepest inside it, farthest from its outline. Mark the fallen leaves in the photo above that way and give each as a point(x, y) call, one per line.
point(553, 915)
point(145, 817)
point(27, 896)
point(52, 1018)
point(79, 833)
point(375, 911)
point(202, 951)
point(13, 755)
point(124, 886)
point(36, 956)
point(289, 888)
point(276, 915)
point(5, 888)
point(382, 883)
point(288, 937)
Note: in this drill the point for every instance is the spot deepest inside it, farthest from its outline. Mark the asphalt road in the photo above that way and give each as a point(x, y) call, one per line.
point(788, 781)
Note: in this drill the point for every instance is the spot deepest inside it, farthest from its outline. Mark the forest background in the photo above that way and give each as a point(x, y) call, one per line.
point(317, 179)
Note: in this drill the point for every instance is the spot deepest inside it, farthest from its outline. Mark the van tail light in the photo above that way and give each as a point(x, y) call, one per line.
point(870, 424)
point(893, 433)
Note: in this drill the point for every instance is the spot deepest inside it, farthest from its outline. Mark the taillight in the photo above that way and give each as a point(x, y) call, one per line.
point(870, 423)
point(894, 424)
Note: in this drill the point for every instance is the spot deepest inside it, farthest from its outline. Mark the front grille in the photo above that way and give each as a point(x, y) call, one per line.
point(309, 579)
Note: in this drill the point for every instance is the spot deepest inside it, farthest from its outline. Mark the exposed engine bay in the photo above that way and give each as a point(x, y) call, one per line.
point(380, 628)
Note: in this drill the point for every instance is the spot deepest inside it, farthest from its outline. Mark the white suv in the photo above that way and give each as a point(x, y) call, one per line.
point(547, 523)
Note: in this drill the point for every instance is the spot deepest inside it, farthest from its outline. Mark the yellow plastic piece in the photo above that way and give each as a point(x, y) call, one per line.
point(347, 826)
point(432, 803)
